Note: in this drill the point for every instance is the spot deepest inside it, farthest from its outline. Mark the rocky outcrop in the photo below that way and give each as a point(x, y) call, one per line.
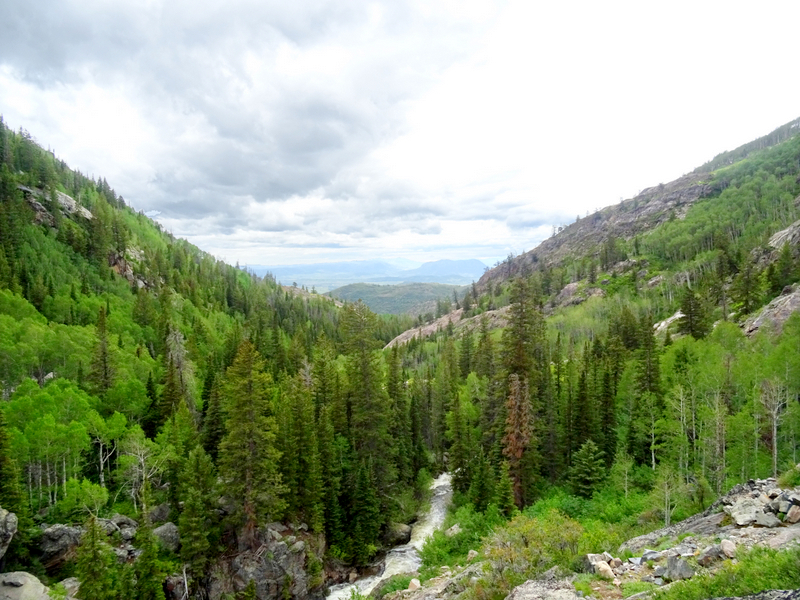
point(8, 527)
point(650, 208)
point(280, 567)
point(22, 586)
point(58, 545)
point(775, 314)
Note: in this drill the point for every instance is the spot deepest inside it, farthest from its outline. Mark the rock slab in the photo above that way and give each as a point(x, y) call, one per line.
point(22, 586)
point(544, 590)
point(8, 527)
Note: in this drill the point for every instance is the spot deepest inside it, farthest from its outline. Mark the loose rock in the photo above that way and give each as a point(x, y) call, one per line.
point(728, 548)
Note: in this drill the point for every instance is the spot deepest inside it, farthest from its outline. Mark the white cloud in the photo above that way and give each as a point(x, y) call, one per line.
point(286, 132)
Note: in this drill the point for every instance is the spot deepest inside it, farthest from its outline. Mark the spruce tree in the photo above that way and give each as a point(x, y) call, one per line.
point(484, 353)
point(213, 422)
point(197, 523)
point(369, 402)
point(147, 568)
point(12, 498)
point(461, 448)
point(481, 489)
point(306, 478)
point(96, 565)
point(504, 492)
point(102, 369)
point(518, 433)
point(365, 515)
point(588, 469)
point(248, 458)
point(330, 460)
point(465, 357)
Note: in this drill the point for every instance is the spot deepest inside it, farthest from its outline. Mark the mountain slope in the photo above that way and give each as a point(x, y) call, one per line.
point(618, 230)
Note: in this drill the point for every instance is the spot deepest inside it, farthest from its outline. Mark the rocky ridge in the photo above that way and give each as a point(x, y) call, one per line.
point(647, 210)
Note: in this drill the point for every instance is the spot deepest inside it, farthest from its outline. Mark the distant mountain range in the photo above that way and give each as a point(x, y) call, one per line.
point(328, 276)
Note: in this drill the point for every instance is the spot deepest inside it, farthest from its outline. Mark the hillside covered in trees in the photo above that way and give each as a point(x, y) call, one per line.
point(140, 374)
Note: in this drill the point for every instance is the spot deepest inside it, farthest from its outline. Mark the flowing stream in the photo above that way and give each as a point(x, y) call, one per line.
point(405, 558)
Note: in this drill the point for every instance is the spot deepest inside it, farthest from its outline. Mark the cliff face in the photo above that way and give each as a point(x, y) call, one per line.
point(646, 211)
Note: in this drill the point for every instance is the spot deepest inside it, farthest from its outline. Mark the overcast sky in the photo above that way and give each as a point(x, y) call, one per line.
point(274, 132)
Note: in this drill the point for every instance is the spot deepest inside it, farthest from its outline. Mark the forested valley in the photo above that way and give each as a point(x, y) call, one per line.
point(621, 393)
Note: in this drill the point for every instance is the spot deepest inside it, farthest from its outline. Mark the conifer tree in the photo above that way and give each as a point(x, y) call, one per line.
point(694, 321)
point(461, 448)
point(248, 458)
point(504, 492)
point(213, 422)
point(304, 477)
point(400, 422)
point(484, 353)
point(102, 369)
point(96, 565)
point(588, 469)
point(518, 433)
point(12, 498)
point(330, 460)
point(197, 525)
point(369, 405)
point(465, 358)
point(365, 517)
point(147, 569)
point(481, 489)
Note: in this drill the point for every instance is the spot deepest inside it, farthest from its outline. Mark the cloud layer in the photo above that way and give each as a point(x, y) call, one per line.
point(271, 132)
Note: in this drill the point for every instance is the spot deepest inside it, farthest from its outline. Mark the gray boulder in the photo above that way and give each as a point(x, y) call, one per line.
point(709, 556)
point(169, 537)
point(22, 586)
point(745, 511)
point(678, 569)
point(651, 555)
point(58, 544)
point(728, 548)
point(767, 520)
point(793, 516)
point(397, 534)
point(8, 527)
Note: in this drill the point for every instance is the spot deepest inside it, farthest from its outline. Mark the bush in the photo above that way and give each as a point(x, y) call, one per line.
point(443, 550)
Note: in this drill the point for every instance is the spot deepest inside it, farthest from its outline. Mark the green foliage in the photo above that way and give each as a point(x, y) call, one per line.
point(588, 469)
point(755, 570)
point(81, 498)
point(395, 583)
point(96, 565)
point(403, 298)
point(441, 549)
point(248, 457)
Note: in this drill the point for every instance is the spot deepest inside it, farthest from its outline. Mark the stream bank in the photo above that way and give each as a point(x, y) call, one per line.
point(405, 558)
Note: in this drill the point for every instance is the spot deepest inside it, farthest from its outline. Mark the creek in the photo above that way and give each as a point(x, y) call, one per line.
point(405, 558)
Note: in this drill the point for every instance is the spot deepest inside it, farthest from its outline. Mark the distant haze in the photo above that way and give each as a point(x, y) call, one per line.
point(327, 276)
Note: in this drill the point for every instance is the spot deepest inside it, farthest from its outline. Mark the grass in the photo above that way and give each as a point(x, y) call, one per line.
point(757, 570)
point(394, 584)
point(634, 587)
